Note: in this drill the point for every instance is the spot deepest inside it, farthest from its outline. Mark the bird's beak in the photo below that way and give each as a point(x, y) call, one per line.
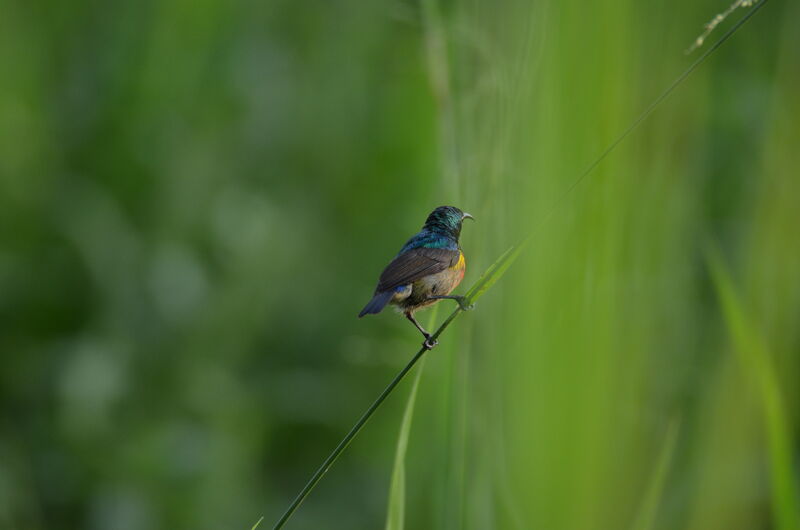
point(467, 216)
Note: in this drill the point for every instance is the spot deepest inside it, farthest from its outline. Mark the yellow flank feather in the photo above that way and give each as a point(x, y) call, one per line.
point(461, 263)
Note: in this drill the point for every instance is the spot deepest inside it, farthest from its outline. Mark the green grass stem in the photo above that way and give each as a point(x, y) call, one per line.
point(756, 361)
point(492, 274)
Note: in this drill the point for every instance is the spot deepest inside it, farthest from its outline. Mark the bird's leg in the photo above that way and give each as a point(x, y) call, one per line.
point(430, 342)
point(462, 301)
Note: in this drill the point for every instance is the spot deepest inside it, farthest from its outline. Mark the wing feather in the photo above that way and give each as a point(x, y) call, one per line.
point(415, 264)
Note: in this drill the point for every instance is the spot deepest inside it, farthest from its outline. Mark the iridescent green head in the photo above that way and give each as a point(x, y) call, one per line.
point(446, 220)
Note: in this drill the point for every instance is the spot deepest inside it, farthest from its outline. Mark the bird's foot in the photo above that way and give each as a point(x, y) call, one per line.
point(462, 303)
point(430, 342)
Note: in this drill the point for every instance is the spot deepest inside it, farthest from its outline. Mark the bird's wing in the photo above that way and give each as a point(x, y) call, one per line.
point(414, 264)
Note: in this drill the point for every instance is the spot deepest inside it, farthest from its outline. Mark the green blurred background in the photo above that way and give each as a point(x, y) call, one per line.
point(197, 197)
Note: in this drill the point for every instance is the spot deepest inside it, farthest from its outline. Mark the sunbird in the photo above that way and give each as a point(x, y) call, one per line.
point(427, 269)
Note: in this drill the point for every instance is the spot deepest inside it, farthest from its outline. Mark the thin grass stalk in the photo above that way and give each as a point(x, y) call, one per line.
point(652, 106)
point(655, 488)
point(487, 279)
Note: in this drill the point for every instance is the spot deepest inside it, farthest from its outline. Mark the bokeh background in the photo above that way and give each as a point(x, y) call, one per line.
point(196, 199)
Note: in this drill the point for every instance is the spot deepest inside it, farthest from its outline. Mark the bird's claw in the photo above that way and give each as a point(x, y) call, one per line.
point(462, 303)
point(429, 343)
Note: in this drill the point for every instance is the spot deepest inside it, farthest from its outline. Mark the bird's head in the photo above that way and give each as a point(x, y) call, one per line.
point(446, 220)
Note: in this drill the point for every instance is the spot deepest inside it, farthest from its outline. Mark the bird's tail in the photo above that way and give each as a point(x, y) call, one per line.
point(377, 303)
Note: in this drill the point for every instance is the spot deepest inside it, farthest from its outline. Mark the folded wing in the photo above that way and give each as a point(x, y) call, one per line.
point(415, 264)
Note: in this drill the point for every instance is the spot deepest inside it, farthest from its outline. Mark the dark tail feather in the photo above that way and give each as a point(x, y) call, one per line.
point(377, 303)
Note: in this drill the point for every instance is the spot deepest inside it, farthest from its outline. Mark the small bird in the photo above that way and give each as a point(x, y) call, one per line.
point(428, 267)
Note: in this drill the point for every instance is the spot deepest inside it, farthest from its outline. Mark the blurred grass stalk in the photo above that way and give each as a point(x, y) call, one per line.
point(756, 364)
point(395, 512)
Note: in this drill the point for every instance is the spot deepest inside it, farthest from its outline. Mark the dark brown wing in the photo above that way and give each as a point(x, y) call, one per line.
point(415, 264)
